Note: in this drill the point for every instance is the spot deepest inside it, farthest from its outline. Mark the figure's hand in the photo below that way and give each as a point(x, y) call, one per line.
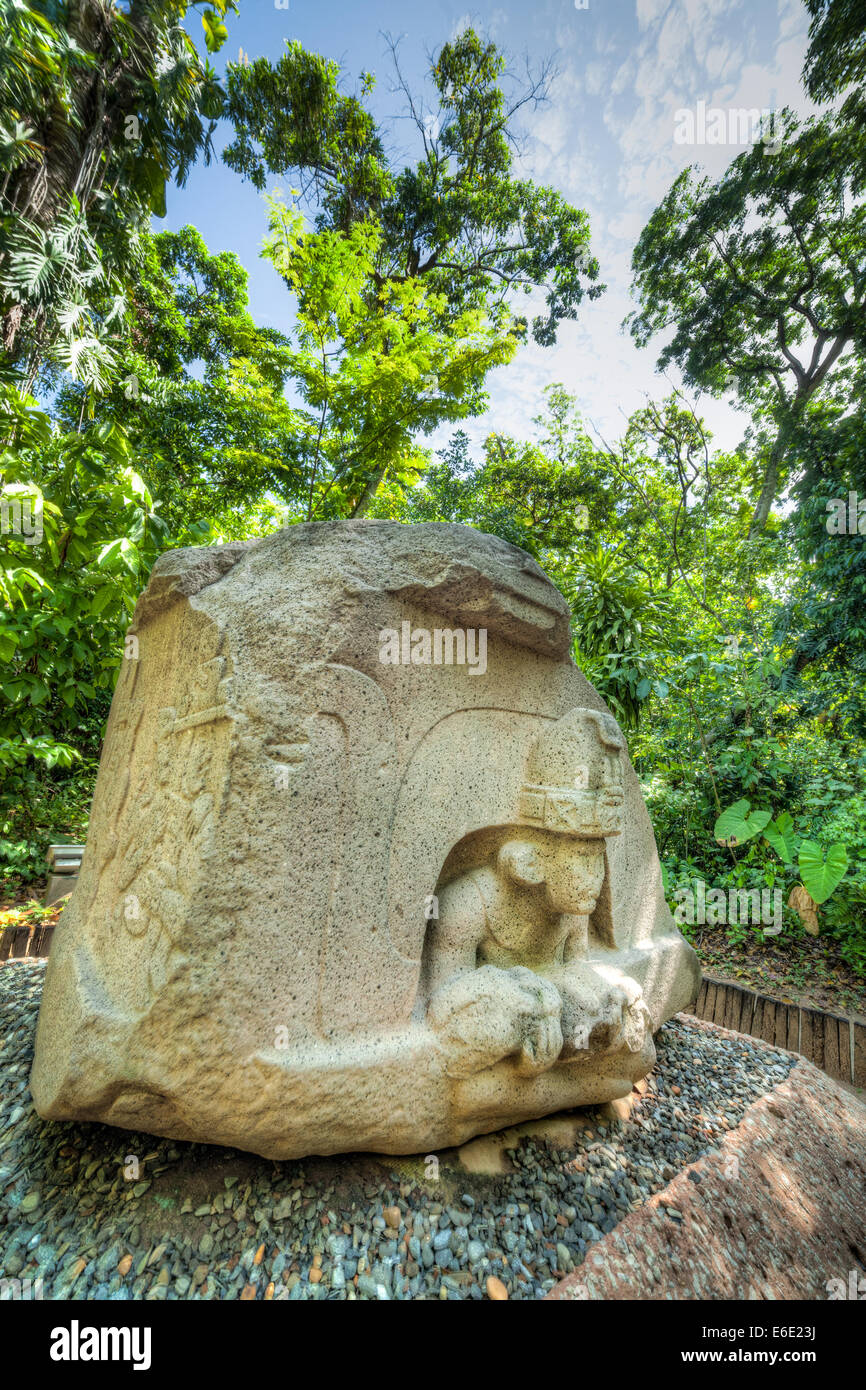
point(603, 1011)
point(487, 1014)
point(625, 1018)
point(539, 1007)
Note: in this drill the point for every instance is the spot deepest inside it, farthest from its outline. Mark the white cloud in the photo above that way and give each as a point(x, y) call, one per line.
point(607, 142)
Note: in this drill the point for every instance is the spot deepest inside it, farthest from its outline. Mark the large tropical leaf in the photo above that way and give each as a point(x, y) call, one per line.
point(821, 876)
point(737, 824)
point(780, 835)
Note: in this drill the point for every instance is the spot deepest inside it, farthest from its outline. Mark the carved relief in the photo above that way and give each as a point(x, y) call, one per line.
point(508, 969)
point(328, 903)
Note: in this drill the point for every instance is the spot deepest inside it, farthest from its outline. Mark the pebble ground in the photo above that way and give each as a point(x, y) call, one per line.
point(100, 1213)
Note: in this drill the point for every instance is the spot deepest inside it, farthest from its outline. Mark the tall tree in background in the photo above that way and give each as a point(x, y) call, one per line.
point(761, 277)
point(199, 392)
point(101, 106)
point(406, 278)
point(373, 370)
point(544, 494)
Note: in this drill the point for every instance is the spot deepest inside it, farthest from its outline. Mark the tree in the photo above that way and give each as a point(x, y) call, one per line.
point(544, 495)
point(760, 277)
point(70, 580)
point(199, 392)
point(372, 368)
point(406, 275)
point(619, 625)
point(822, 623)
point(679, 514)
point(836, 57)
point(102, 105)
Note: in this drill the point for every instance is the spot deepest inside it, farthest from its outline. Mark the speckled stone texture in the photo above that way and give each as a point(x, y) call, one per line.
point(368, 867)
point(777, 1212)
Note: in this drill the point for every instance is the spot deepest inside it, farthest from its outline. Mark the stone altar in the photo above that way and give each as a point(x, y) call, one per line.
point(368, 866)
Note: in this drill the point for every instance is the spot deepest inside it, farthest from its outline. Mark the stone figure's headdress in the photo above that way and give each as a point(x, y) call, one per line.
point(574, 777)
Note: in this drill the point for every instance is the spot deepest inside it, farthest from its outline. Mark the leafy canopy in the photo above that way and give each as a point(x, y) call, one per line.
point(101, 107)
point(757, 279)
point(405, 278)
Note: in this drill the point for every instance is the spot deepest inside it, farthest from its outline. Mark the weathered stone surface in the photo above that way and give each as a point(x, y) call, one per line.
point(341, 892)
point(776, 1212)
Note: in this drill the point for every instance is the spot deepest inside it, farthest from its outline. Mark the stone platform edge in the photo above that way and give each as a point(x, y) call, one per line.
point(778, 1211)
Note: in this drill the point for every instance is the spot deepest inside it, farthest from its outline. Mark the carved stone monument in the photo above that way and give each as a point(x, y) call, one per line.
point(368, 865)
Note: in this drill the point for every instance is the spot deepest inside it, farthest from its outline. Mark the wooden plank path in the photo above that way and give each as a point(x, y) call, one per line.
point(18, 943)
point(833, 1042)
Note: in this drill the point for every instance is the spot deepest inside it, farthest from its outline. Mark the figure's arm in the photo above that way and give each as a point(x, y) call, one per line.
point(457, 933)
point(602, 1009)
point(487, 1014)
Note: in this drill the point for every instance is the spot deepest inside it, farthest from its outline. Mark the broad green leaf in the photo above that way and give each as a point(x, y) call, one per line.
point(109, 553)
point(821, 876)
point(101, 598)
point(737, 824)
point(780, 835)
point(215, 32)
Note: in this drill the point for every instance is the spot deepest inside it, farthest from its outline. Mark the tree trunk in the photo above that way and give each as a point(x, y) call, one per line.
point(770, 484)
point(368, 493)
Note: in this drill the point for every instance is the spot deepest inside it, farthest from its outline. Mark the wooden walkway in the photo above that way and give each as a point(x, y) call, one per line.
point(16, 943)
point(833, 1042)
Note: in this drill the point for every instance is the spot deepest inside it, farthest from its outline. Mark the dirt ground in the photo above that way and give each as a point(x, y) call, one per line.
point(808, 972)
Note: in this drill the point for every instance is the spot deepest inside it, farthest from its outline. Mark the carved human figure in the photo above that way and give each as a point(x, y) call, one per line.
point(508, 971)
point(509, 975)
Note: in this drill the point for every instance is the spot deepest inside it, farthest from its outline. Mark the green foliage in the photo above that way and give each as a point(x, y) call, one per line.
point(755, 277)
point(199, 393)
point(459, 217)
point(374, 369)
point(619, 623)
point(821, 876)
point(68, 598)
point(543, 495)
point(780, 836)
point(407, 281)
point(101, 107)
point(836, 57)
point(738, 824)
point(759, 275)
point(845, 912)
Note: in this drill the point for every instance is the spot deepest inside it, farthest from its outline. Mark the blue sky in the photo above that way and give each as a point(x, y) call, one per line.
point(605, 140)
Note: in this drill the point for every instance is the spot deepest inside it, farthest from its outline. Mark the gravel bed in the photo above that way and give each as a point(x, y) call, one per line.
point(101, 1213)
